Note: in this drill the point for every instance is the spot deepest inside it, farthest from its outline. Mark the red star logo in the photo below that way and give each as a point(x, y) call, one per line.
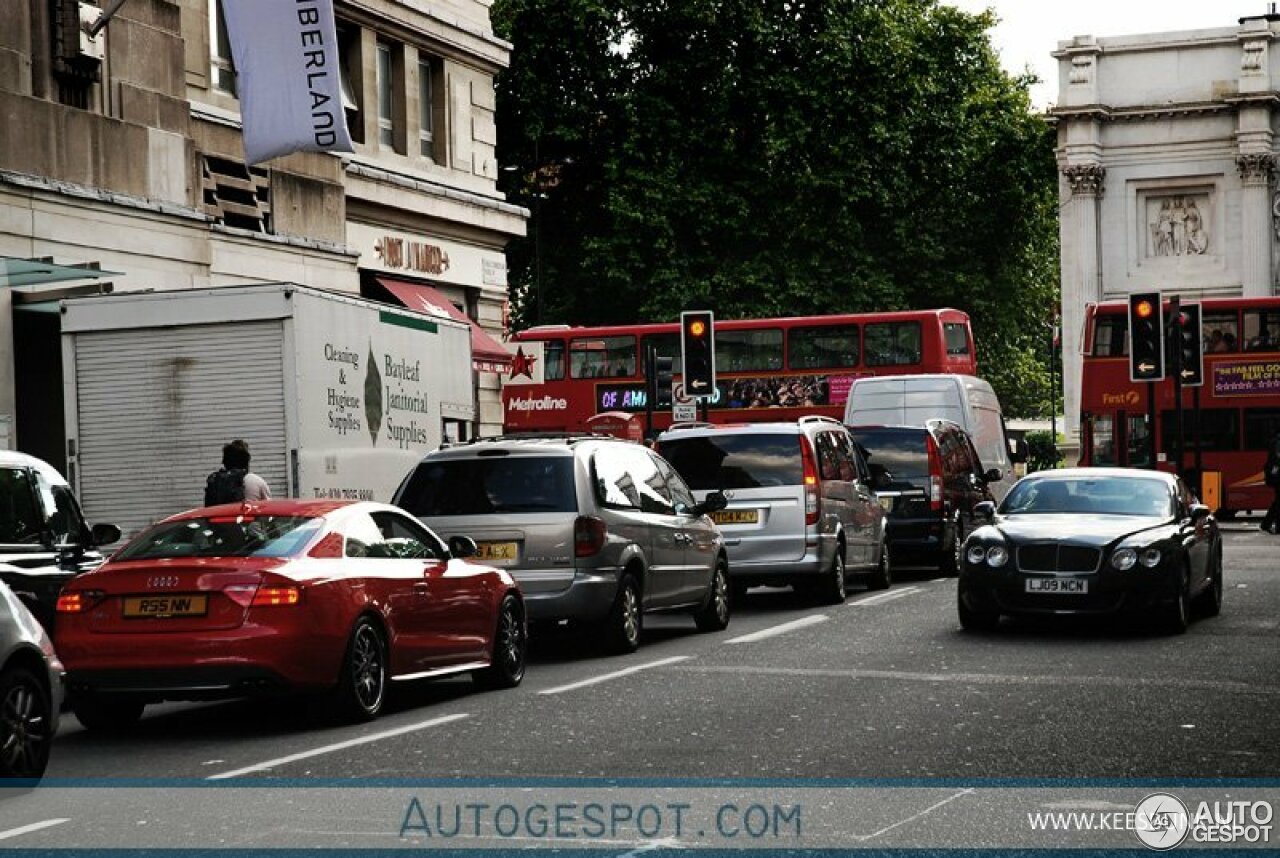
point(522, 364)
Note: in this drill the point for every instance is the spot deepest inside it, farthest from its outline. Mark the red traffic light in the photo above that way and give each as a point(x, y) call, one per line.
point(1143, 309)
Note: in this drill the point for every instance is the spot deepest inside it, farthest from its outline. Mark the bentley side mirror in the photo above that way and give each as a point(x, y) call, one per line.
point(986, 510)
point(992, 475)
point(1199, 512)
point(463, 546)
point(105, 534)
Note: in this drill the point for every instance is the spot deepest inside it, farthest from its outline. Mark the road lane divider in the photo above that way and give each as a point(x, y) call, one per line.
point(881, 598)
point(772, 631)
point(28, 829)
point(605, 677)
point(339, 746)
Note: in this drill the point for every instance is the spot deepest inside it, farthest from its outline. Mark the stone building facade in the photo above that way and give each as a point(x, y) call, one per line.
point(1167, 154)
point(134, 162)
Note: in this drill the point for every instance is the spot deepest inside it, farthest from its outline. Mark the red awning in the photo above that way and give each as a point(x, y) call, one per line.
point(487, 354)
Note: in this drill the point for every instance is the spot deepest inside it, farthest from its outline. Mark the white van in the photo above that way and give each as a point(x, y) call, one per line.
point(910, 400)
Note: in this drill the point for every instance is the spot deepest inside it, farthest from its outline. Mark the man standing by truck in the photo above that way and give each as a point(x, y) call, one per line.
point(234, 482)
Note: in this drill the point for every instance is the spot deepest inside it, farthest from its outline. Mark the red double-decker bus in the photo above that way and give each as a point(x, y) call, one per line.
point(766, 369)
point(1239, 400)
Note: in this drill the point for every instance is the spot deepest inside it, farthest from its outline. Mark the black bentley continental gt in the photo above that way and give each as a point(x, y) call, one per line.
point(1093, 541)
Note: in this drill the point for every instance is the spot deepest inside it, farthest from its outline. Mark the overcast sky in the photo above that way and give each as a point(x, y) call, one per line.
point(1029, 30)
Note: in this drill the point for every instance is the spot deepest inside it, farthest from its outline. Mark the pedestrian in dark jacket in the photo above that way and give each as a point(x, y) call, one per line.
point(1271, 473)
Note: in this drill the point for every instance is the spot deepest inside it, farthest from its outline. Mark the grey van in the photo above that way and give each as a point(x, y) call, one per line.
point(594, 529)
point(802, 511)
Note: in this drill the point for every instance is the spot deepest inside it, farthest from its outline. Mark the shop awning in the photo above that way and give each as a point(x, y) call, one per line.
point(487, 354)
point(37, 272)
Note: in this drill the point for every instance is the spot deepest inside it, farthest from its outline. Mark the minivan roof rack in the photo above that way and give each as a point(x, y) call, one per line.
point(691, 424)
point(819, 418)
point(537, 436)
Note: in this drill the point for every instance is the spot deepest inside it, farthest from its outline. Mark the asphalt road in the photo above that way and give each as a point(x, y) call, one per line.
point(886, 686)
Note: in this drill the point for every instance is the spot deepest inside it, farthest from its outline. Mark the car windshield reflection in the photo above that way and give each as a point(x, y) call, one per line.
point(1096, 496)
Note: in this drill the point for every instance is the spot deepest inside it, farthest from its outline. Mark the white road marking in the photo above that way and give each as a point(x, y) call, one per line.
point(812, 619)
point(339, 746)
point(914, 817)
point(605, 677)
point(881, 598)
point(35, 826)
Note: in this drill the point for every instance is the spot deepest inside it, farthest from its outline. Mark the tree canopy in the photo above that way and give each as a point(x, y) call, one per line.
point(778, 157)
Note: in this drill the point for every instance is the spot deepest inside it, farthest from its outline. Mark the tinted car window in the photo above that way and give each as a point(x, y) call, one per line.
point(21, 520)
point(744, 461)
point(508, 484)
point(901, 452)
point(230, 536)
point(614, 480)
point(1103, 496)
point(680, 494)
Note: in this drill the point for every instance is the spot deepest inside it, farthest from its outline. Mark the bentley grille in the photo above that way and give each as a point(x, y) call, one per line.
point(1052, 557)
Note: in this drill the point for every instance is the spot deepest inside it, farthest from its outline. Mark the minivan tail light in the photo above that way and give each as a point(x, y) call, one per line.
point(810, 481)
point(935, 474)
point(588, 535)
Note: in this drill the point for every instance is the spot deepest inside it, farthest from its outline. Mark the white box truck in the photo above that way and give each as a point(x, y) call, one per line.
point(337, 396)
point(910, 400)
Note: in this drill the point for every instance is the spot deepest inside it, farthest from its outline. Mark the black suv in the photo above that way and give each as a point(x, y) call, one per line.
point(928, 479)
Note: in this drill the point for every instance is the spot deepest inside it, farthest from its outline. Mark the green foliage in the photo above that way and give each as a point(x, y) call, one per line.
point(1042, 452)
point(778, 157)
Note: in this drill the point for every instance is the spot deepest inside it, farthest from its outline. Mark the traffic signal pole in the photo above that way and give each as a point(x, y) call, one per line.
point(1173, 334)
point(1151, 425)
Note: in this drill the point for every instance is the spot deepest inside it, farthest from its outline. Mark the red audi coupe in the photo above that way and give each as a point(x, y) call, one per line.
point(284, 596)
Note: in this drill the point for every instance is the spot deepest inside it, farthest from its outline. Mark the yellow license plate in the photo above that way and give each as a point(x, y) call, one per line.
point(736, 516)
point(887, 504)
point(166, 606)
point(496, 551)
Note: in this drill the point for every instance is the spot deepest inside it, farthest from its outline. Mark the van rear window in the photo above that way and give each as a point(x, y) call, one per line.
point(710, 462)
point(508, 484)
point(901, 452)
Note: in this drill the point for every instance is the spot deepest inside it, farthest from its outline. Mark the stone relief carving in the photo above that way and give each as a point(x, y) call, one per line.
point(1081, 69)
point(1086, 179)
point(1252, 57)
point(1177, 225)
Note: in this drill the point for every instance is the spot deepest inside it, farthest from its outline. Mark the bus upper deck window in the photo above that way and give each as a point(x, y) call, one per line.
point(957, 337)
point(892, 343)
point(827, 347)
point(1261, 330)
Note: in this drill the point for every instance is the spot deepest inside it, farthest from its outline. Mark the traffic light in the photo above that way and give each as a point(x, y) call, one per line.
point(698, 348)
point(1188, 345)
point(662, 382)
point(1146, 337)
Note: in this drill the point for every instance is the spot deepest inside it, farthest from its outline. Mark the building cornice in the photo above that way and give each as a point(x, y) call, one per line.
point(1105, 113)
point(386, 176)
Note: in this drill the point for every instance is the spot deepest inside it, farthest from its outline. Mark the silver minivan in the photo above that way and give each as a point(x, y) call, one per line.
point(595, 530)
point(801, 511)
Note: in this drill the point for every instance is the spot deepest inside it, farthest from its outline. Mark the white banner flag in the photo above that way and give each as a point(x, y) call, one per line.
point(290, 83)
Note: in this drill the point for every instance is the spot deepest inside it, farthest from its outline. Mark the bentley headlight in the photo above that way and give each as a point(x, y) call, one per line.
point(1124, 559)
point(997, 556)
point(1150, 558)
point(976, 554)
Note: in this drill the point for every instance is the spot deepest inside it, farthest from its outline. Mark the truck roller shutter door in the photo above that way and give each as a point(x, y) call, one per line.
point(157, 404)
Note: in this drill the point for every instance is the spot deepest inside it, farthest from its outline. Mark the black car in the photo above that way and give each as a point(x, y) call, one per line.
point(929, 480)
point(44, 541)
point(1093, 541)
